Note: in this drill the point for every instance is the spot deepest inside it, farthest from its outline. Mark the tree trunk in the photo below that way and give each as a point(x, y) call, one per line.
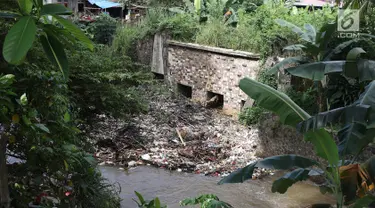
point(73, 5)
point(4, 189)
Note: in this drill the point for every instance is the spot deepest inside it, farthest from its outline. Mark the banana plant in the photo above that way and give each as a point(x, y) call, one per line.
point(35, 20)
point(363, 70)
point(313, 128)
point(314, 46)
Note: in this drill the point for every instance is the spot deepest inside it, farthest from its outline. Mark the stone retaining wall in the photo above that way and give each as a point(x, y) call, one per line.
point(208, 71)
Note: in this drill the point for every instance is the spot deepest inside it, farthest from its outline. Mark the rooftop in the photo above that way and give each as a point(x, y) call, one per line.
point(315, 3)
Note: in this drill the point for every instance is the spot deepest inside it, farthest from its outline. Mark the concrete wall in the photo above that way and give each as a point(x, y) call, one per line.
point(143, 51)
point(208, 69)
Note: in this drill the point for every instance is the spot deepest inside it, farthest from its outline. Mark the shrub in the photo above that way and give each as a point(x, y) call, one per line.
point(268, 79)
point(305, 99)
point(102, 29)
point(56, 162)
point(252, 115)
point(102, 82)
point(125, 40)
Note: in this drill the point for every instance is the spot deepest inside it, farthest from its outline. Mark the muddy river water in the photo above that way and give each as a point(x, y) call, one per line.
point(172, 187)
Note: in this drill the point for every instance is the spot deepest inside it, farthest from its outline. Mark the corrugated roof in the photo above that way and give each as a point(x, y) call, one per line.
point(316, 3)
point(104, 3)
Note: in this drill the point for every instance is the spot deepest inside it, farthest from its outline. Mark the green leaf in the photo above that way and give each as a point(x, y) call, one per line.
point(295, 29)
point(282, 184)
point(267, 97)
point(287, 62)
point(66, 165)
point(310, 32)
point(157, 203)
point(55, 53)
point(64, 36)
point(55, 9)
point(90, 159)
point(206, 201)
point(188, 201)
point(140, 198)
point(325, 146)
point(9, 14)
point(349, 114)
point(369, 166)
point(66, 117)
point(295, 47)
point(19, 40)
point(339, 49)
point(42, 127)
point(317, 70)
point(197, 5)
point(368, 98)
point(351, 69)
point(281, 162)
point(354, 53)
point(240, 175)
point(23, 99)
point(353, 138)
point(212, 203)
point(366, 70)
point(77, 32)
point(285, 162)
point(363, 202)
point(38, 3)
point(325, 34)
point(7, 104)
point(25, 6)
point(26, 120)
point(198, 200)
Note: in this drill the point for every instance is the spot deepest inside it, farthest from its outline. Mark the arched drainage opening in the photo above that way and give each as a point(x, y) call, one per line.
point(185, 90)
point(214, 100)
point(158, 76)
point(243, 102)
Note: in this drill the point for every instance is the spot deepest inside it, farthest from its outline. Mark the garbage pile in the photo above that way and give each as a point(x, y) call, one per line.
point(176, 134)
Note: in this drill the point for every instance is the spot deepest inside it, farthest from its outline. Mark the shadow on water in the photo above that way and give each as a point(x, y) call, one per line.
point(172, 187)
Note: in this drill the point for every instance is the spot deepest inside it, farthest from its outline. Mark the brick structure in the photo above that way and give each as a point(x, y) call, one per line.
point(208, 71)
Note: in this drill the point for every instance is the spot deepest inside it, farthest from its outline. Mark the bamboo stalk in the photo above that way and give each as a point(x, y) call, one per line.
point(181, 139)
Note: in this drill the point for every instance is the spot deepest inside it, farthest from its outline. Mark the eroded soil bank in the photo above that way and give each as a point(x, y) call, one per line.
point(180, 135)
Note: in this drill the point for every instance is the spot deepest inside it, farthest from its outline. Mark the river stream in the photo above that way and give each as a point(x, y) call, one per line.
point(172, 187)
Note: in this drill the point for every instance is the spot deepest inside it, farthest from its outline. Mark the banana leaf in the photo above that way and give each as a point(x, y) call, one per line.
point(307, 36)
point(317, 70)
point(290, 114)
point(288, 61)
point(365, 69)
point(349, 114)
point(353, 138)
point(267, 97)
point(324, 145)
point(368, 98)
point(282, 184)
point(281, 162)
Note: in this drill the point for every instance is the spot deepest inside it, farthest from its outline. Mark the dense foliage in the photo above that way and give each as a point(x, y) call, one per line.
point(104, 82)
point(101, 30)
point(253, 30)
point(45, 96)
point(350, 181)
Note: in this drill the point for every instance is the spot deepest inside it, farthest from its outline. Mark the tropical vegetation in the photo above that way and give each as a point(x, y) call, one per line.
point(350, 181)
point(54, 80)
point(57, 74)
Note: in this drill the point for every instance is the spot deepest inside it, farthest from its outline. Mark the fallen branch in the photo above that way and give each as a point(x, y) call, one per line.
point(179, 135)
